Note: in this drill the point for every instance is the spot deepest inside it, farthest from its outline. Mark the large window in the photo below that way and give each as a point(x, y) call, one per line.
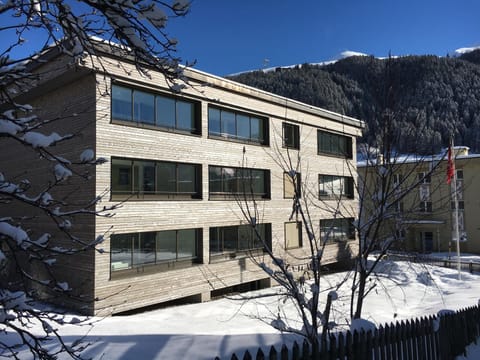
point(333, 230)
point(291, 136)
point(230, 240)
point(161, 111)
point(225, 182)
point(128, 251)
point(334, 144)
point(334, 187)
point(243, 127)
point(155, 179)
point(293, 235)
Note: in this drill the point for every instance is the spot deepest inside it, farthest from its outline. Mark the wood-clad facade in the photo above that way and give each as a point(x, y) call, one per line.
point(169, 239)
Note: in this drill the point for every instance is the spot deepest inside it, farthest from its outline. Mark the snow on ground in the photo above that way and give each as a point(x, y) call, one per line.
point(222, 327)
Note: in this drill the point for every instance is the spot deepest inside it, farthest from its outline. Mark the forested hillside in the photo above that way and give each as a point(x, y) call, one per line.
point(431, 97)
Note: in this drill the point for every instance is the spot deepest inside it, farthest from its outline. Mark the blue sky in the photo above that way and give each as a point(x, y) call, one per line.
point(229, 36)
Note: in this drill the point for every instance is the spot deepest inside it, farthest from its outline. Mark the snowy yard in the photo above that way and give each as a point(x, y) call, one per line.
point(222, 327)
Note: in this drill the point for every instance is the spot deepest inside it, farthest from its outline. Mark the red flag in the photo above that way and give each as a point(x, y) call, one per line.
point(450, 165)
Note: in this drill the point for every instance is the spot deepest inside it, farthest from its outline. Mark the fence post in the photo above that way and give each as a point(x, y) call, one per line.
point(284, 352)
point(333, 351)
point(295, 351)
point(305, 349)
point(247, 356)
point(419, 338)
point(272, 355)
point(341, 346)
point(260, 355)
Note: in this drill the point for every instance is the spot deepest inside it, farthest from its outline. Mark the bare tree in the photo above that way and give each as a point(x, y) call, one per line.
point(394, 189)
point(382, 187)
point(299, 276)
point(76, 29)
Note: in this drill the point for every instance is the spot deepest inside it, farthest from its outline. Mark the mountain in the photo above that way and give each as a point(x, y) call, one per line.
point(431, 97)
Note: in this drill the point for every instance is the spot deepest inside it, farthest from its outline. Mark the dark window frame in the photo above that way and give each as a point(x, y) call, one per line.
point(217, 235)
point(224, 134)
point(140, 194)
point(348, 187)
point(291, 136)
point(332, 144)
point(132, 268)
point(240, 188)
point(425, 207)
point(461, 205)
point(196, 107)
point(345, 224)
point(424, 178)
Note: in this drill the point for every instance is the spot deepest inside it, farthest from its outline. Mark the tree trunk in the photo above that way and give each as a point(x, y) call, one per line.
point(362, 282)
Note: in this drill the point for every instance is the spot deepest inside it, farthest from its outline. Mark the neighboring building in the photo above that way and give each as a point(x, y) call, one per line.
point(175, 162)
point(421, 208)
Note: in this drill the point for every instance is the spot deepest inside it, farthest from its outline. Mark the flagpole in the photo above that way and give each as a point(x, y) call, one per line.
point(455, 204)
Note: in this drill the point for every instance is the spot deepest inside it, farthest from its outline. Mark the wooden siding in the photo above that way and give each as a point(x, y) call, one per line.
point(96, 131)
point(20, 162)
point(140, 216)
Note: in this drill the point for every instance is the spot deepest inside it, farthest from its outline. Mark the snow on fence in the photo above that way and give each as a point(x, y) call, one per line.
point(439, 337)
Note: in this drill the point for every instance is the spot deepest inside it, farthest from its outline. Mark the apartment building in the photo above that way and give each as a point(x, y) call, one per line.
point(423, 207)
point(176, 165)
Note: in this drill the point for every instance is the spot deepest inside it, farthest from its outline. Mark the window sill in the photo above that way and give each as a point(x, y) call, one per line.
point(247, 196)
point(154, 197)
point(339, 156)
point(343, 197)
point(290, 147)
point(228, 256)
point(153, 268)
point(157, 128)
point(237, 140)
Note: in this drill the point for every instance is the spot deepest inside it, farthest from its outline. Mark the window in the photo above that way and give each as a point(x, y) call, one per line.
point(289, 184)
point(333, 230)
point(227, 182)
point(332, 187)
point(128, 251)
point(424, 178)
point(155, 179)
point(424, 193)
point(400, 234)
point(334, 144)
point(293, 235)
point(241, 238)
point(161, 111)
point(461, 205)
point(425, 206)
point(291, 136)
point(238, 126)
point(397, 181)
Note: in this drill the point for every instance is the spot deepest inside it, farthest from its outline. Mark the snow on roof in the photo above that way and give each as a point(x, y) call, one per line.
point(370, 159)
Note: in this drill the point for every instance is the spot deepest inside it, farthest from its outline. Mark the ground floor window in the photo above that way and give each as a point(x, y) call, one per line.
point(239, 239)
point(332, 230)
point(131, 250)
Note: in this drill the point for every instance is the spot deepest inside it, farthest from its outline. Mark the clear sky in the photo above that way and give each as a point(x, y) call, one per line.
point(229, 36)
